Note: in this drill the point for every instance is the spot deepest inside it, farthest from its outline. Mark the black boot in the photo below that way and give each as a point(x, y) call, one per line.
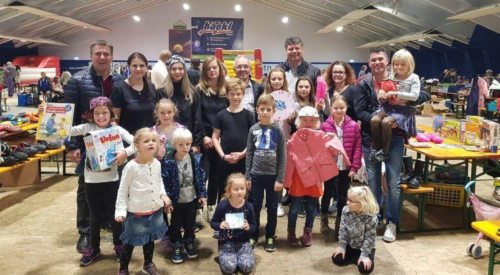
point(408, 166)
point(418, 173)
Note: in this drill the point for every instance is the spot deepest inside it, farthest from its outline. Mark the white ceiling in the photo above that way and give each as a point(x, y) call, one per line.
point(393, 20)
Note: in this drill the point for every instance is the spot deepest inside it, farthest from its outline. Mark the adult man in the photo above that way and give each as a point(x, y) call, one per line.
point(366, 104)
point(242, 69)
point(95, 81)
point(194, 71)
point(295, 66)
point(159, 71)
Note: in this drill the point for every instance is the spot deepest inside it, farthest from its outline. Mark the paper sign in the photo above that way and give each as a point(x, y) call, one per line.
point(235, 220)
point(284, 105)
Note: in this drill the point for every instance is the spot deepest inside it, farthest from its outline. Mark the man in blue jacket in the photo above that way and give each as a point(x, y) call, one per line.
point(95, 81)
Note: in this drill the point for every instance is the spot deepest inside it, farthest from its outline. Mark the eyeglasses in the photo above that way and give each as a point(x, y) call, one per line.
point(338, 72)
point(242, 67)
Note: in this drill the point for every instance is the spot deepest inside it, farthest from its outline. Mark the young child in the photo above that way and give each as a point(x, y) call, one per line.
point(141, 198)
point(314, 154)
point(230, 134)
point(265, 167)
point(349, 133)
point(234, 249)
point(305, 96)
point(101, 187)
point(184, 181)
point(401, 113)
point(165, 112)
point(358, 229)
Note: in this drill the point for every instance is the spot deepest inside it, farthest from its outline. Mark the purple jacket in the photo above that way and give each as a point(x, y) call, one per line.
point(351, 139)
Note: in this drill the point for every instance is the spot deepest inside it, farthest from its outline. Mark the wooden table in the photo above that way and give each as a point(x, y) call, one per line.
point(490, 229)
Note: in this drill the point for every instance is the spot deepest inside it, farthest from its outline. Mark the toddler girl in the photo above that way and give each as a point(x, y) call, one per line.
point(101, 187)
point(396, 109)
point(358, 230)
point(234, 218)
point(165, 112)
point(141, 198)
point(349, 133)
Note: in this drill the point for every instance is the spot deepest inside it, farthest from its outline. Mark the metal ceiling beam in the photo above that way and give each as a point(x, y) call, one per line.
point(483, 11)
point(320, 7)
point(24, 8)
point(390, 22)
point(338, 4)
point(399, 14)
point(10, 15)
point(386, 31)
point(402, 39)
point(34, 39)
point(310, 9)
point(348, 19)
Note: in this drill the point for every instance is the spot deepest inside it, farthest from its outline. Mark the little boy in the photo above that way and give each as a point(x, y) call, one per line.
point(184, 183)
point(265, 167)
point(230, 133)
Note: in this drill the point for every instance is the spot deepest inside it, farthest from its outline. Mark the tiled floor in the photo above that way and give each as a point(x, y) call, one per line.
point(37, 236)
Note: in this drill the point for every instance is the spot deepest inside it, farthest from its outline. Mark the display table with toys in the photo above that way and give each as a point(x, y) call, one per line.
point(490, 229)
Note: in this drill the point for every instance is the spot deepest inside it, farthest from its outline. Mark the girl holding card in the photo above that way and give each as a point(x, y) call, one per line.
point(234, 218)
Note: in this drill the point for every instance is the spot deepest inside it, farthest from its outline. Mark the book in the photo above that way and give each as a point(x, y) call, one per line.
point(55, 122)
point(451, 130)
point(101, 146)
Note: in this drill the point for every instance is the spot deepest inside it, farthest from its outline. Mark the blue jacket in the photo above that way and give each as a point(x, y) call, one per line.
point(170, 175)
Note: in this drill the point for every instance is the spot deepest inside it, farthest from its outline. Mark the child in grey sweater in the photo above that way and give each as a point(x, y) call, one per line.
point(357, 233)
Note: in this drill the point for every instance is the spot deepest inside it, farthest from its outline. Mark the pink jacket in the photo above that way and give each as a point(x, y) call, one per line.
point(314, 154)
point(351, 139)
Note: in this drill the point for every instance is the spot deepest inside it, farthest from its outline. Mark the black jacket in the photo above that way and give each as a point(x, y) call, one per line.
point(304, 69)
point(365, 106)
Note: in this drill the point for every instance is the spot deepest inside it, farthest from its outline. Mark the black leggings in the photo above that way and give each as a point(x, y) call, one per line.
point(339, 185)
point(381, 130)
point(147, 249)
point(352, 257)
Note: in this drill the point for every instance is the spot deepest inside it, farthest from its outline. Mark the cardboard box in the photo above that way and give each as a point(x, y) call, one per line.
point(470, 132)
point(490, 134)
point(430, 109)
point(101, 146)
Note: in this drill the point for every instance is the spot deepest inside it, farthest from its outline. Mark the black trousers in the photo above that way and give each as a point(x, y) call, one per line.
point(210, 161)
point(339, 185)
point(101, 198)
point(352, 257)
point(82, 208)
point(184, 216)
point(224, 169)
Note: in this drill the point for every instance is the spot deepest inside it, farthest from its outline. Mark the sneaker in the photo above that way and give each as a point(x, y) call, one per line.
point(123, 272)
point(281, 211)
point(390, 233)
point(253, 243)
point(377, 156)
point(270, 245)
point(210, 212)
point(332, 210)
point(302, 213)
point(177, 256)
point(150, 269)
point(380, 225)
point(89, 255)
point(191, 251)
point(118, 251)
point(199, 218)
point(318, 214)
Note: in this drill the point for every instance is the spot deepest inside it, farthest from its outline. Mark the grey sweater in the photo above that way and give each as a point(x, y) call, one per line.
point(266, 151)
point(358, 231)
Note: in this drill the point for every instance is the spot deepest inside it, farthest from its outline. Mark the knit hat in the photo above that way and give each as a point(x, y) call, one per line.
point(308, 111)
point(95, 102)
point(175, 59)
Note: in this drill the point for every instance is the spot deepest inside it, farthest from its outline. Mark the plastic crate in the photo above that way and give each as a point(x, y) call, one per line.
point(451, 195)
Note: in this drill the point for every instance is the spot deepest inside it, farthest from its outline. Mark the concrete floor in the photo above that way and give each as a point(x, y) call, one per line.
point(38, 235)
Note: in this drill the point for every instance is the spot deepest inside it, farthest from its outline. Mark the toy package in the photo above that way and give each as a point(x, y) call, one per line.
point(471, 133)
point(55, 123)
point(101, 146)
point(451, 130)
point(437, 124)
point(490, 132)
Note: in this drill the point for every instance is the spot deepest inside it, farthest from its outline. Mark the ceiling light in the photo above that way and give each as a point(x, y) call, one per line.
point(392, 44)
point(186, 6)
point(237, 7)
point(76, 58)
point(421, 39)
point(339, 28)
point(284, 19)
point(136, 18)
point(351, 60)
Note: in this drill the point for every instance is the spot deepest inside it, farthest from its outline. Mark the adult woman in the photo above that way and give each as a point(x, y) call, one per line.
point(340, 80)
point(178, 88)
point(213, 99)
point(134, 98)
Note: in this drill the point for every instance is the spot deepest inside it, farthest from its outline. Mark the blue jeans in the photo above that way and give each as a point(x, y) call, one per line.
point(392, 171)
point(296, 204)
point(259, 185)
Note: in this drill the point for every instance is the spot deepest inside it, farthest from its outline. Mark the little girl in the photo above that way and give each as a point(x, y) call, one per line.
point(165, 112)
point(305, 96)
point(358, 230)
point(141, 198)
point(101, 187)
point(402, 112)
point(234, 218)
point(349, 133)
point(314, 154)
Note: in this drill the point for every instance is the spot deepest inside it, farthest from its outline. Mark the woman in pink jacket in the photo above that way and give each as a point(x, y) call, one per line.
point(347, 130)
point(311, 160)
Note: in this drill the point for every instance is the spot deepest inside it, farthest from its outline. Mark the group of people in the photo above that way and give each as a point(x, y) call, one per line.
point(221, 132)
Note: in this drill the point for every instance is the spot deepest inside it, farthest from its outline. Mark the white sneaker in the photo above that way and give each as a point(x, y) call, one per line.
point(210, 212)
point(199, 218)
point(281, 211)
point(390, 233)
